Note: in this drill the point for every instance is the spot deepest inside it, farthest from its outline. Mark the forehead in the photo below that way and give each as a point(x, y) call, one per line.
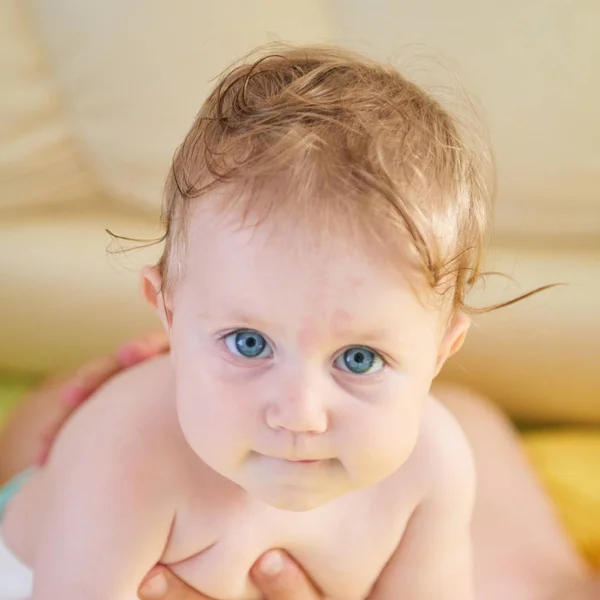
point(286, 268)
point(264, 221)
point(328, 247)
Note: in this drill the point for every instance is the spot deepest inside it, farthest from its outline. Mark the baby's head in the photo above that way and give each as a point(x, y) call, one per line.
point(325, 222)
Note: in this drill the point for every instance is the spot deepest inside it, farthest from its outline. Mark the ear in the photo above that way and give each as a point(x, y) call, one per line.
point(152, 290)
point(453, 339)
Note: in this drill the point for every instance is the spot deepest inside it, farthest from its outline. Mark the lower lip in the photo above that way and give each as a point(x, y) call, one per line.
point(297, 462)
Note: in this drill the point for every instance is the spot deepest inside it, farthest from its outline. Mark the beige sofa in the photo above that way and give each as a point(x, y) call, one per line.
point(94, 97)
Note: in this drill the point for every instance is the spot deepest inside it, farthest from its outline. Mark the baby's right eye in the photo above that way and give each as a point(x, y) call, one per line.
point(248, 344)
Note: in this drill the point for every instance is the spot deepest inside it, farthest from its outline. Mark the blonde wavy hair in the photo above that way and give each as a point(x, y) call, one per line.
point(340, 135)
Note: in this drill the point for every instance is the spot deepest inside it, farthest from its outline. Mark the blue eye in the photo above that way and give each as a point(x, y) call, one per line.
point(248, 343)
point(359, 360)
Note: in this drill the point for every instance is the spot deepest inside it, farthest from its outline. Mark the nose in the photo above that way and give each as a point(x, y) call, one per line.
point(300, 407)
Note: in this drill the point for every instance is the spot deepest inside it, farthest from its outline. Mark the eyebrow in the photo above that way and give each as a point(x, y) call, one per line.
point(376, 335)
point(236, 317)
point(245, 319)
point(366, 337)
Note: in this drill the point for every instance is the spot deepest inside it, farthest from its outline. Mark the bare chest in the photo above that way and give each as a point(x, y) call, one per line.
point(343, 546)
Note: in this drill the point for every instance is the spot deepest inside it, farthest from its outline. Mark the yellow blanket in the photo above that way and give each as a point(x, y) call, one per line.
point(568, 462)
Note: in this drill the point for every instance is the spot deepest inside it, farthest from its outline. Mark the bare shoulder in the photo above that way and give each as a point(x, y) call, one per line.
point(433, 557)
point(131, 418)
point(150, 380)
point(440, 472)
point(125, 438)
point(443, 439)
point(445, 459)
point(441, 464)
point(136, 394)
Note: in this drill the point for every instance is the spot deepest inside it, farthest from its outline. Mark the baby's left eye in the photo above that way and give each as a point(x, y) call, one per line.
point(359, 360)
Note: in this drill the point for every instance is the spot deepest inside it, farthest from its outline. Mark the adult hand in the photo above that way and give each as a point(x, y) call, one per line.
point(275, 574)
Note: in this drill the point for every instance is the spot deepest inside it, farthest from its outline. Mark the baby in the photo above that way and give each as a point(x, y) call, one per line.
point(324, 223)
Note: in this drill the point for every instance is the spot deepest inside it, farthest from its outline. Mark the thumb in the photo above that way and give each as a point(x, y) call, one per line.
point(162, 584)
point(279, 577)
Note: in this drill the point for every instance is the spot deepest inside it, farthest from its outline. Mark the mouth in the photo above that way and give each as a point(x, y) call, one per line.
point(300, 461)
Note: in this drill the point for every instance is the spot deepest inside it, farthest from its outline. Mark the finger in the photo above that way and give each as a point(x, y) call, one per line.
point(162, 584)
point(41, 458)
point(143, 348)
point(26, 430)
point(279, 578)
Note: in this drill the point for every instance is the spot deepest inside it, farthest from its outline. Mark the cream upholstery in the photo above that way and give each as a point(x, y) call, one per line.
point(95, 97)
point(38, 161)
point(532, 66)
point(538, 358)
point(133, 74)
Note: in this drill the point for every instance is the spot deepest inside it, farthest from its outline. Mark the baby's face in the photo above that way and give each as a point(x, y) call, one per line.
point(301, 367)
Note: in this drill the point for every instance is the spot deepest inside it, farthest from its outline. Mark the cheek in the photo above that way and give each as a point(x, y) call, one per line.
point(215, 417)
point(380, 436)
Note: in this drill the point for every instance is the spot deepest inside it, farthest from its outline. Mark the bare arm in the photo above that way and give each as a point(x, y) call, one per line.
point(106, 517)
point(433, 559)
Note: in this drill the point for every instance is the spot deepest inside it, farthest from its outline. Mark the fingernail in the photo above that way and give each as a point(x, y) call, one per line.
point(271, 563)
point(40, 458)
point(155, 587)
point(129, 355)
point(72, 395)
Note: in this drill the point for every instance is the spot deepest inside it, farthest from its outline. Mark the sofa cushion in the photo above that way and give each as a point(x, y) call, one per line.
point(39, 162)
point(64, 297)
point(532, 68)
point(538, 358)
point(134, 74)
